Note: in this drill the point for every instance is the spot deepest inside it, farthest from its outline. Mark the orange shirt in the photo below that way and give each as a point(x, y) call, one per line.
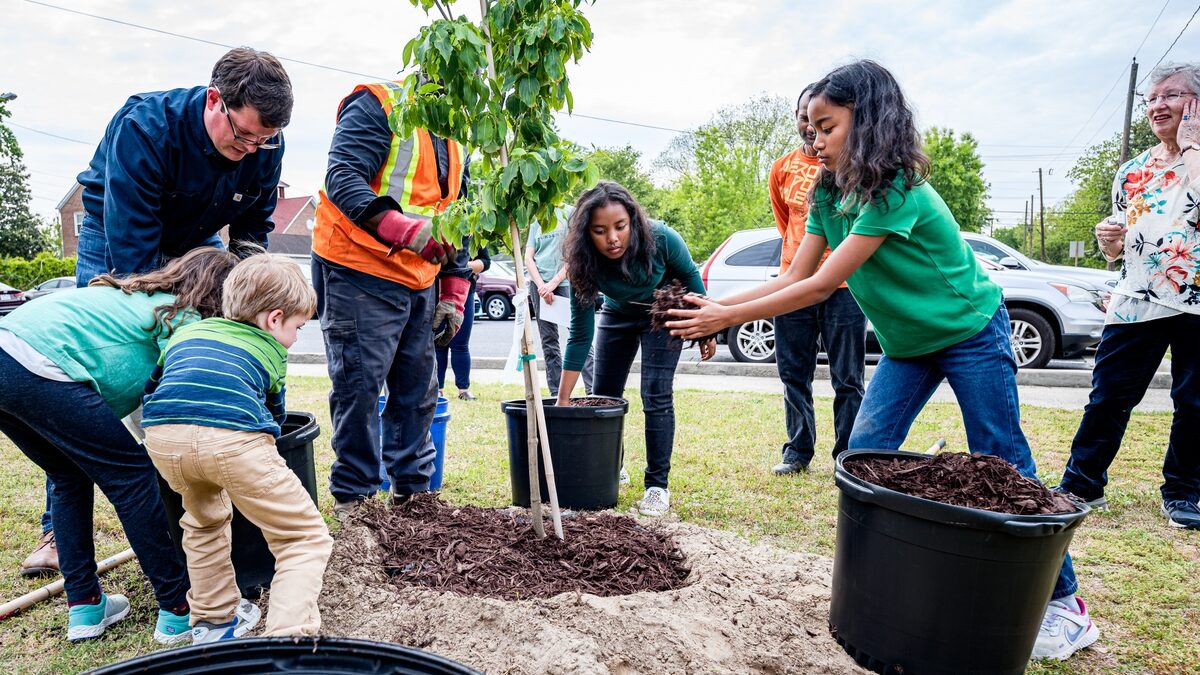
point(791, 178)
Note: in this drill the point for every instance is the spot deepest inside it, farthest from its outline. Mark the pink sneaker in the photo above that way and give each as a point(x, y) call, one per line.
point(1064, 631)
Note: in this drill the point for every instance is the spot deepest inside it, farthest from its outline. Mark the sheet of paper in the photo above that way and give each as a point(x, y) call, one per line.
point(559, 312)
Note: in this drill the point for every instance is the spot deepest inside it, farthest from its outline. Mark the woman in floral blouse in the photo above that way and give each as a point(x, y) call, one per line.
point(1156, 305)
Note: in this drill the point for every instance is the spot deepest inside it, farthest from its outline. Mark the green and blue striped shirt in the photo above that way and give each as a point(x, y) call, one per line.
point(219, 373)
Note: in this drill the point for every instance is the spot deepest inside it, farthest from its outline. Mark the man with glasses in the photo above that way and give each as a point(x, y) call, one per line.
point(173, 168)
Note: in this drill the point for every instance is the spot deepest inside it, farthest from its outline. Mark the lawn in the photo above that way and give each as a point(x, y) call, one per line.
point(1138, 575)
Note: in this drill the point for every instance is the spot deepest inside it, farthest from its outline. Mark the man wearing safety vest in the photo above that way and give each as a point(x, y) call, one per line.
point(375, 264)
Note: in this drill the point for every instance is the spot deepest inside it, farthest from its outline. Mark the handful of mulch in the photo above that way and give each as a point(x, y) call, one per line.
point(975, 481)
point(667, 298)
point(493, 553)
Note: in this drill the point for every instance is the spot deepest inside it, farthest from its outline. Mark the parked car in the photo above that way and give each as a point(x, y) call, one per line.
point(494, 292)
point(50, 286)
point(1050, 316)
point(10, 299)
point(1006, 256)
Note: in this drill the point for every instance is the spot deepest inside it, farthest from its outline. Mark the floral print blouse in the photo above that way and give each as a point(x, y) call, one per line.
point(1160, 205)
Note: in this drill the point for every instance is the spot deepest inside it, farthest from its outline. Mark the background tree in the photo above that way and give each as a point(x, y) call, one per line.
point(22, 234)
point(622, 165)
point(719, 171)
point(956, 172)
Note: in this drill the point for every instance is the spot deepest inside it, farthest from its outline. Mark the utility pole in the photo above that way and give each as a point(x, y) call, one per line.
point(1042, 213)
point(1029, 229)
point(1133, 69)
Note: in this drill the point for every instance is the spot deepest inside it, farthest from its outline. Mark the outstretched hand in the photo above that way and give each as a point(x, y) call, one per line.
point(709, 318)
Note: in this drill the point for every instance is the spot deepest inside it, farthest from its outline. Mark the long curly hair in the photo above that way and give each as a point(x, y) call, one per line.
point(581, 256)
point(195, 279)
point(883, 139)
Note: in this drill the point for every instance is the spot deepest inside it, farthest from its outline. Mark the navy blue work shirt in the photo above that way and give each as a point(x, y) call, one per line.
point(158, 187)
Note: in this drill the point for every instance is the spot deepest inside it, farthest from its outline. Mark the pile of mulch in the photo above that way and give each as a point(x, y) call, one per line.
point(490, 553)
point(593, 402)
point(975, 481)
point(665, 299)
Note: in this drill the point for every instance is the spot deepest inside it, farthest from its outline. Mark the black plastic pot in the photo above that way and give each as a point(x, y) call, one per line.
point(585, 445)
point(289, 655)
point(925, 587)
point(252, 559)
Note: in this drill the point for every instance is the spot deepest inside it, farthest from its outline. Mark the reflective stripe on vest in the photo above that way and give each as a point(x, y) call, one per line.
point(410, 176)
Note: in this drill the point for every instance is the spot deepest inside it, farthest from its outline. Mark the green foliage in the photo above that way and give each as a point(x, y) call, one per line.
point(505, 116)
point(956, 172)
point(721, 172)
point(620, 165)
point(24, 274)
point(22, 233)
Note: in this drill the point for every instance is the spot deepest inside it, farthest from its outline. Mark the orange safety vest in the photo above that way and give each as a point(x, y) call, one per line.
point(410, 176)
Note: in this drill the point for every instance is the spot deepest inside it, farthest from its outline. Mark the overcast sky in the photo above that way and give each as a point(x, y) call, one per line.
point(1034, 81)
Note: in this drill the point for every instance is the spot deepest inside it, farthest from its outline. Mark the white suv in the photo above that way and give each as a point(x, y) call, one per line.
point(1051, 316)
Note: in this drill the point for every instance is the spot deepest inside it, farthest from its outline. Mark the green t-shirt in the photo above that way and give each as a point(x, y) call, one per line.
point(547, 249)
point(922, 289)
point(632, 296)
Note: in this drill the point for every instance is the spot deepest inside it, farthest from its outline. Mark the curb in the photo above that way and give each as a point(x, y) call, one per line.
point(1080, 378)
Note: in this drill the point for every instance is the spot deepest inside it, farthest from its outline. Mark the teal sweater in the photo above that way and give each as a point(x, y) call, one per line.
point(219, 373)
point(98, 336)
point(632, 296)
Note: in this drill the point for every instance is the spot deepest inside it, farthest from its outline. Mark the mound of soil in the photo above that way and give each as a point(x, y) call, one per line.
point(593, 402)
point(490, 553)
point(744, 609)
point(975, 481)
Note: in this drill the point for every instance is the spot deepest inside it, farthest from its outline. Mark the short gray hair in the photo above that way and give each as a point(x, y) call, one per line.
point(1166, 70)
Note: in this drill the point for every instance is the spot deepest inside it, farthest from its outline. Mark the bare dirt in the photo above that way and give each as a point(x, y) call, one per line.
point(746, 608)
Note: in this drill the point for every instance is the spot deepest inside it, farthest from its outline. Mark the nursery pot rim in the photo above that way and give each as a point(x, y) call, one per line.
point(1035, 525)
point(516, 407)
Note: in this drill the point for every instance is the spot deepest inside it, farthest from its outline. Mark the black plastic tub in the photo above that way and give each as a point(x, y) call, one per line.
point(289, 655)
point(585, 445)
point(252, 559)
point(925, 587)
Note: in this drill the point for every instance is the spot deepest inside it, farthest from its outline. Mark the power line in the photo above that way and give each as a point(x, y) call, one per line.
point(1147, 36)
point(1173, 42)
point(47, 133)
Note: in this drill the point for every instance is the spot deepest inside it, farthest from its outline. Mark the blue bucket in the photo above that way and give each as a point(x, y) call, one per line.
point(441, 417)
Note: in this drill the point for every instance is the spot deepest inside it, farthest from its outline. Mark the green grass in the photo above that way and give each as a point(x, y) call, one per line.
point(1138, 575)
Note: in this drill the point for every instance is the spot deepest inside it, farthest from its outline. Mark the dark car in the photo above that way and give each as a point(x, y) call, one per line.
point(10, 299)
point(494, 292)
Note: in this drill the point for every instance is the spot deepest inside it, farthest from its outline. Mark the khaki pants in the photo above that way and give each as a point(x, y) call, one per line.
point(209, 467)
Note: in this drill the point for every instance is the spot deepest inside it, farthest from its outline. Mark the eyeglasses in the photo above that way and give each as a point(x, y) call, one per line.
point(1165, 98)
point(264, 144)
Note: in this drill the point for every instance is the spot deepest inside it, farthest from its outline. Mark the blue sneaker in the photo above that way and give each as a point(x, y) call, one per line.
point(85, 622)
point(244, 618)
point(172, 629)
point(1182, 514)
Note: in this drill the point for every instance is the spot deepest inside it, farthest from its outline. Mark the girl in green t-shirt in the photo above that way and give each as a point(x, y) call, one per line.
point(936, 314)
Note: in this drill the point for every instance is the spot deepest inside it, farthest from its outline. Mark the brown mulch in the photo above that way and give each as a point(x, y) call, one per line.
point(493, 553)
point(667, 298)
point(593, 402)
point(975, 481)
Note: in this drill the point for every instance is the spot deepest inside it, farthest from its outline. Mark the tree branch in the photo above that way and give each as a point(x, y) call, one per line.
point(444, 9)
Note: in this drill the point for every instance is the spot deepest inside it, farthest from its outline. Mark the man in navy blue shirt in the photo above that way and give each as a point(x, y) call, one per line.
point(176, 166)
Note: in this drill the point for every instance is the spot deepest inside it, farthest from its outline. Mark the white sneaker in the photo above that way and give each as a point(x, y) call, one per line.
point(245, 617)
point(624, 480)
point(1064, 631)
point(656, 502)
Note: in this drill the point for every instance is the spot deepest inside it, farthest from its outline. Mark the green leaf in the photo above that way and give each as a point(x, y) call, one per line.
point(558, 28)
point(406, 56)
point(527, 90)
point(429, 88)
point(575, 165)
point(507, 176)
point(529, 171)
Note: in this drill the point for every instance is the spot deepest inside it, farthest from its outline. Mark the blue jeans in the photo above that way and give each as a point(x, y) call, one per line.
point(92, 256)
point(982, 371)
point(370, 342)
point(843, 329)
point(1126, 360)
point(618, 337)
point(458, 353)
point(69, 431)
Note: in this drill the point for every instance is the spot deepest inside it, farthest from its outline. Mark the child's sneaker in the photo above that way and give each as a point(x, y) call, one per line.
point(245, 618)
point(1064, 631)
point(172, 629)
point(85, 622)
point(656, 502)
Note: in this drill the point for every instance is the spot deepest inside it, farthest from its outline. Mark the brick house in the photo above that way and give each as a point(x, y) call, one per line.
point(293, 217)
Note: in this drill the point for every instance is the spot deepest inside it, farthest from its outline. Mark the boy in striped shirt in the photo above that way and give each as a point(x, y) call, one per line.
point(212, 413)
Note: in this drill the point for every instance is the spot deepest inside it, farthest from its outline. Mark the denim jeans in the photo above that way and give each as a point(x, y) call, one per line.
point(69, 431)
point(982, 371)
point(618, 337)
point(371, 342)
point(843, 330)
point(457, 354)
point(551, 350)
point(92, 256)
point(1126, 360)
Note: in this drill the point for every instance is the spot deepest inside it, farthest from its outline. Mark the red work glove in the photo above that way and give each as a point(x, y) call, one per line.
point(415, 235)
point(448, 315)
